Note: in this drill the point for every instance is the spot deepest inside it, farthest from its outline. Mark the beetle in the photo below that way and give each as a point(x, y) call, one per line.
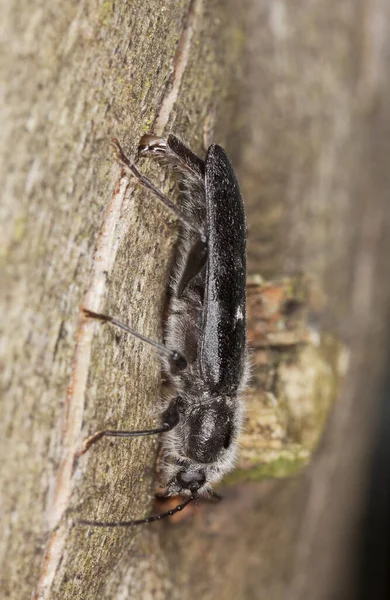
point(204, 352)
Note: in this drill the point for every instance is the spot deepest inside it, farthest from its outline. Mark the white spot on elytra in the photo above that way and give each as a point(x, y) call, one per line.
point(239, 314)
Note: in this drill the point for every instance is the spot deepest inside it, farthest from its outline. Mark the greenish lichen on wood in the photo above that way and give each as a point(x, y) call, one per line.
point(296, 376)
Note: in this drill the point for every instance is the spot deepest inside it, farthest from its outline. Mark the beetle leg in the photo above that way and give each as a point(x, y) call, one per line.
point(174, 153)
point(170, 419)
point(145, 181)
point(196, 260)
point(176, 360)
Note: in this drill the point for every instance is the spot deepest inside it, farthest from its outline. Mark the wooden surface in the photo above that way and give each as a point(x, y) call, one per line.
point(301, 100)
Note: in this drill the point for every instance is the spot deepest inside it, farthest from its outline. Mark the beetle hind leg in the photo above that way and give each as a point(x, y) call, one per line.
point(175, 154)
point(130, 167)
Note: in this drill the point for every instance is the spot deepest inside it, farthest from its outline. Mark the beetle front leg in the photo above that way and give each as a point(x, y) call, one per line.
point(170, 418)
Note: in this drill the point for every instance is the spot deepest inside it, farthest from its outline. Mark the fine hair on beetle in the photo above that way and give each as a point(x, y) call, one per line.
point(204, 352)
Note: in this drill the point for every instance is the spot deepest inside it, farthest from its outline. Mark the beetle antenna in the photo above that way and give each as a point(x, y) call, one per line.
point(169, 513)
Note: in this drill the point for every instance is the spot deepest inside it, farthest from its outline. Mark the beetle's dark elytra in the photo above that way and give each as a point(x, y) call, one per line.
point(224, 317)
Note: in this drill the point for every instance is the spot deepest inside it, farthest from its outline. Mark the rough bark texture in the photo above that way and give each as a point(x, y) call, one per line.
point(308, 128)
